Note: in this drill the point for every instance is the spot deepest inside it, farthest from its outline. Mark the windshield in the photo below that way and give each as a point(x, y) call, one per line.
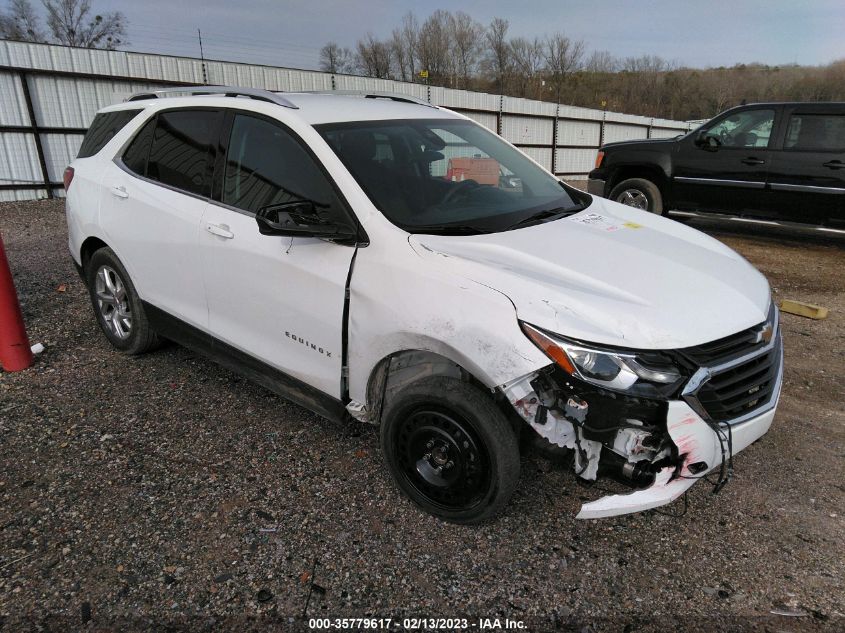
point(448, 176)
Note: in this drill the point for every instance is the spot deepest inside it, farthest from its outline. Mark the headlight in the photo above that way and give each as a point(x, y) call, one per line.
point(617, 371)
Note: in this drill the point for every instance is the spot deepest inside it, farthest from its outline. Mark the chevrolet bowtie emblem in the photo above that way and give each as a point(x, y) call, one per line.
point(765, 335)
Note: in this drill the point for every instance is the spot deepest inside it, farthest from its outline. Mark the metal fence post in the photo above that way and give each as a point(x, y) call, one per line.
point(33, 124)
point(499, 115)
point(554, 139)
point(601, 128)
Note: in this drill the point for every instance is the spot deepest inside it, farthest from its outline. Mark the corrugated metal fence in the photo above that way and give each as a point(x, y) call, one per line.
point(49, 95)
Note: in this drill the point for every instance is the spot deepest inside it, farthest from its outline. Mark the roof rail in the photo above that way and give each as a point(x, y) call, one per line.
point(374, 94)
point(228, 91)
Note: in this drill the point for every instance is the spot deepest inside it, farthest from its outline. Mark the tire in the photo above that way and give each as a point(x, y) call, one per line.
point(440, 422)
point(116, 304)
point(640, 194)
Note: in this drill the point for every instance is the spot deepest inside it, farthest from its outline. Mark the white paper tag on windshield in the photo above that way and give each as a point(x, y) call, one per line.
point(596, 220)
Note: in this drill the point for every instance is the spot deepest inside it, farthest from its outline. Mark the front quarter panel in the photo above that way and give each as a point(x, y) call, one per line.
point(626, 157)
point(400, 301)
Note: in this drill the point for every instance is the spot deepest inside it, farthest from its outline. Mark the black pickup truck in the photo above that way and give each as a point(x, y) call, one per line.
point(771, 160)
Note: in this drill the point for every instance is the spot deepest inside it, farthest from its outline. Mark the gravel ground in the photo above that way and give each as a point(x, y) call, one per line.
point(165, 493)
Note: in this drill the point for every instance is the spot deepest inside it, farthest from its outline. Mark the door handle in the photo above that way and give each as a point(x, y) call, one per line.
point(834, 164)
point(221, 230)
point(119, 191)
point(752, 161)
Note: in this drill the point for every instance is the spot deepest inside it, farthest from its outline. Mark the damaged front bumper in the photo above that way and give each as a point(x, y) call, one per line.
point(698, 443)
point(662, 448)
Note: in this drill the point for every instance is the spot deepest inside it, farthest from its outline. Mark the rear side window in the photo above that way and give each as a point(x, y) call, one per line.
point(816, 132)
point(182, 149)
point(103, 129)
point(135, 156)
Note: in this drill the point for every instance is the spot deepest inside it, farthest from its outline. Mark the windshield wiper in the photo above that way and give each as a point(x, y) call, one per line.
point(546, 215)
point(447, 229)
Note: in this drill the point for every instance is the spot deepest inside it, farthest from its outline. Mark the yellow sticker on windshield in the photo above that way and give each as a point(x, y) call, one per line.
point(633, 225)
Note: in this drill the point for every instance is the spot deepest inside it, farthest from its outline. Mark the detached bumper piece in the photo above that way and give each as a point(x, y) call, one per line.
point(661, 447)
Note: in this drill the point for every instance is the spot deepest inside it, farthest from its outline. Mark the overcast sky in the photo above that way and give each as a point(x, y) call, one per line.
point(697, 33)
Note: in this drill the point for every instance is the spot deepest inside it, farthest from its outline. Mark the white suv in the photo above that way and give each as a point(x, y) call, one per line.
point(373, 256)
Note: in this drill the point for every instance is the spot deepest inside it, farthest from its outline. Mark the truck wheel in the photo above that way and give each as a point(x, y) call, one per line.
point(640, 194)
point(116, 304)
point(450, 449)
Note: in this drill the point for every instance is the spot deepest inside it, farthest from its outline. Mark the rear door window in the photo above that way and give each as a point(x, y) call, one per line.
point(182, 152)
point(103, 129)
point(815, 133)
point(135, 156)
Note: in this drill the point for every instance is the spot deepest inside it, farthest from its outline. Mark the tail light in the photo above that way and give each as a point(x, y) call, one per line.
point(599, 159)
point(67, 178)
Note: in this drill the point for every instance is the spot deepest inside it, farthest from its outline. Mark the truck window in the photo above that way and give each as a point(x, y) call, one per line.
point(751, 128)
point(816, 132)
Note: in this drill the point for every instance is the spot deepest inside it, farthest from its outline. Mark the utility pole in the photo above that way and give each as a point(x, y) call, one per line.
point(202, 59)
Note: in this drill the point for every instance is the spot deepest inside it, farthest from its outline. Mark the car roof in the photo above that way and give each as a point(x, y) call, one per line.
point(789, 103)
point(318, 108)
point(311, 108)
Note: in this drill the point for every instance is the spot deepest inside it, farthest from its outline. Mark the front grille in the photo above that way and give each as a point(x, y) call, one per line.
point(739, 374)
point(725, 349)
point(743, 388)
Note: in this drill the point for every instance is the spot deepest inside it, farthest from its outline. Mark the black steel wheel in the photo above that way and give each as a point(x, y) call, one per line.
point(450, 449)
point(442, 457)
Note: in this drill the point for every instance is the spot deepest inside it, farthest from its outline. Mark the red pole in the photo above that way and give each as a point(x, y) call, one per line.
point(15, 353)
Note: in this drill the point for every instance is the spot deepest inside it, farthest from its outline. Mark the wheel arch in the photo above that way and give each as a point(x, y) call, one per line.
point(653, 173)
point(89, 246)
point(401, 368)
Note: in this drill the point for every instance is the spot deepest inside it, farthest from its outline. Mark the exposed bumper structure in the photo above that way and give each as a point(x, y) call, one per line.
point(665, 449)
point(695, 438)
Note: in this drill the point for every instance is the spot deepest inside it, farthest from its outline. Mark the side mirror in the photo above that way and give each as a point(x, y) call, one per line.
point(300, 219)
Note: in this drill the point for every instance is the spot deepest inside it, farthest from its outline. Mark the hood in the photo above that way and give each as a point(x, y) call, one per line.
point(642, 141)
point(614, 275)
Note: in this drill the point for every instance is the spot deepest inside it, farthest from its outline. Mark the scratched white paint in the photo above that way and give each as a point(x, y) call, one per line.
point(650, 283)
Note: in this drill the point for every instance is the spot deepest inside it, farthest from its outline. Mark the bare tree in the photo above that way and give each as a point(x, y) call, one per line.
point(334, 59)
point(601, 62)
point(374, 57)
point(70, 23)
point(410, 38)
point(401, 56)
point(465, 34)
point(527, 58)
point(434, 48)
point(21, 23)
point(459, 52)
point(563, 57)
point(498, 52)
